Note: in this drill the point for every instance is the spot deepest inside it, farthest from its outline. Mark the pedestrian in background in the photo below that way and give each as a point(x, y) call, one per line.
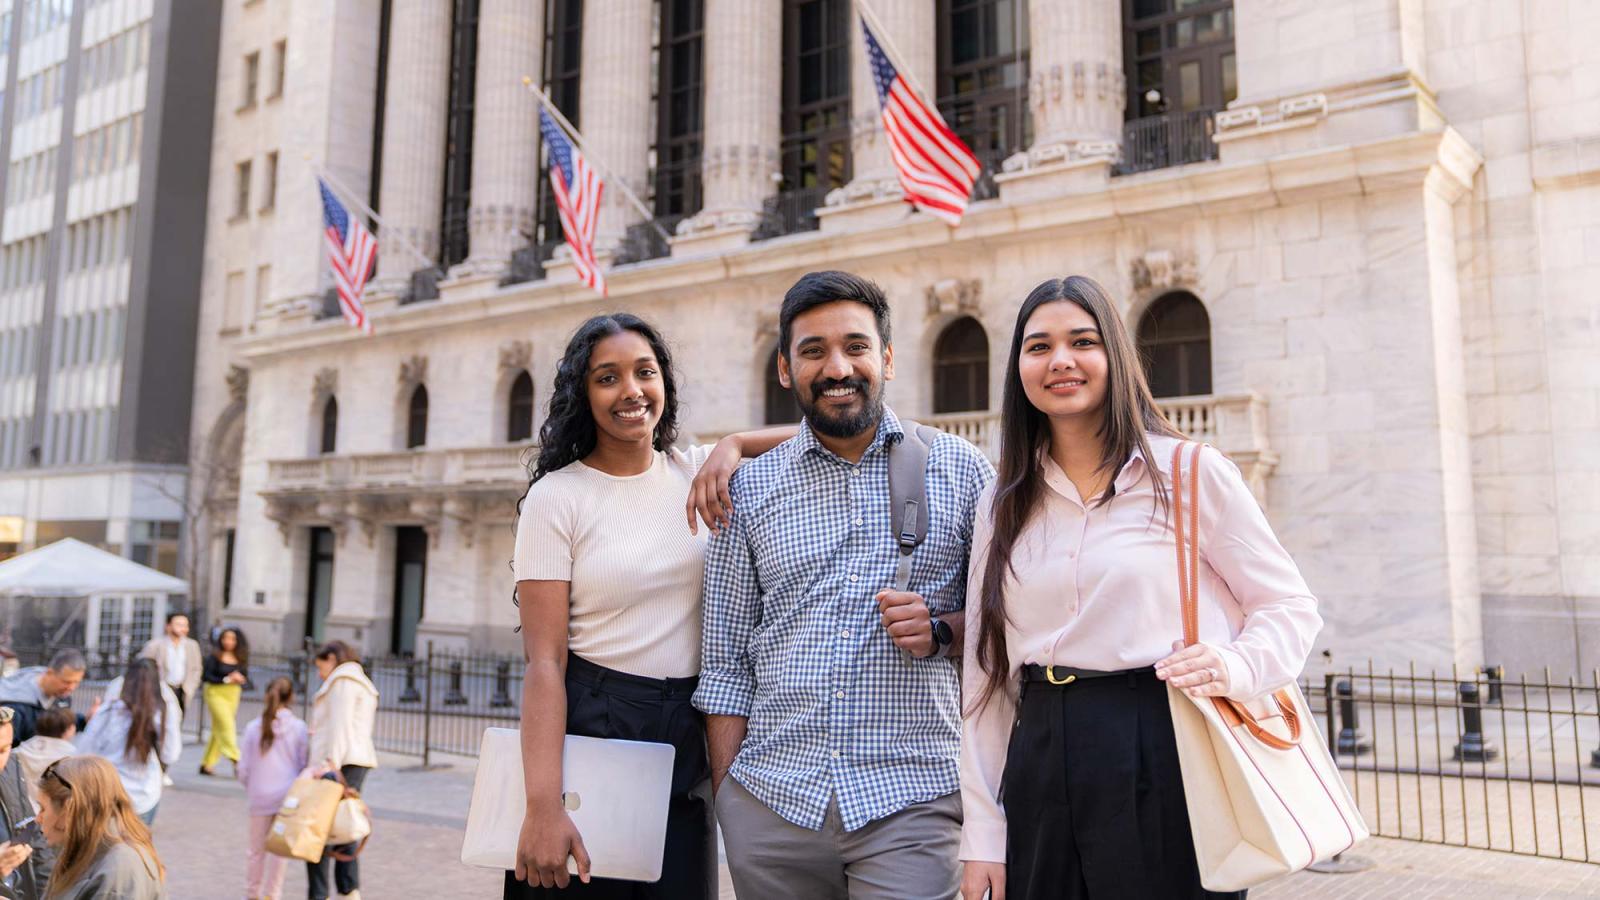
point(343, 714)
point(226, 674)
point(55, 731)
point(104, 846)
point(20, 873)
point(138, 731)
point(35, 689)
point(178, 657)
point(274, 752)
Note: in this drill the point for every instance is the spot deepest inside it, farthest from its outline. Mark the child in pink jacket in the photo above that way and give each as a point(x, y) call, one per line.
point(271, 755)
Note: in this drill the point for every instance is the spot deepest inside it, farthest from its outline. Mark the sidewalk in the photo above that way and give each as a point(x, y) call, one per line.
point(415, 851)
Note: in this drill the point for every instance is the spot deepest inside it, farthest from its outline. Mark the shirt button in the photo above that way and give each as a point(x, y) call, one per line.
point(834, 754)
point(855, 577)
point(859, 520)
point(853, 473)
point(844, 632)
point(838, 695)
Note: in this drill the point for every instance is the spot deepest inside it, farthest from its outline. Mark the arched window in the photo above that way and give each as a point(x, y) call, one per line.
point(781, 407)
point(1175, 346)
point(417, 418)
point(519, 412)
point(961, 368)
point(330, 425)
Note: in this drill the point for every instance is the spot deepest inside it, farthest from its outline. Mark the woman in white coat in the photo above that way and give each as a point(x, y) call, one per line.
point(342, 717)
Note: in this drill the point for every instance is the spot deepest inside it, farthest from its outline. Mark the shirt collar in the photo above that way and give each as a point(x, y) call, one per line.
point(889, 430)
point(1126, 478)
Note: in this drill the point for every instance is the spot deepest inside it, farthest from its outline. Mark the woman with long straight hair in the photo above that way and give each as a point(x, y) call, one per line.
point(1069, 769)
point(224, 676)
point(103, 845)
point(273, 753)
point(138, 731)
point(608, 583)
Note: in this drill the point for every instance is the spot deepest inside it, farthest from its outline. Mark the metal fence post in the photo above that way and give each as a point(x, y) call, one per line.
point(1352, 740)
point(1473, 747)
point(427, 707)
point(502, 685)
point(454, 697)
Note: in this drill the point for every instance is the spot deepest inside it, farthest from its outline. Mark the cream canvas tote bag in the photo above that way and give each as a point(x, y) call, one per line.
point(1264, 795)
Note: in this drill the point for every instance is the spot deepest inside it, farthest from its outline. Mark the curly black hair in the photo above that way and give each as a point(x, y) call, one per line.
point(568, 432)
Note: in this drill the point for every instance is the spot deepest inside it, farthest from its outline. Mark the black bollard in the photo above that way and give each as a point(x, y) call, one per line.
point(454, 696)
point(1496, 676)
point(502, 685)
point(297, 673)
point(1473, 747)
point(1352, 740)
point(411, 694)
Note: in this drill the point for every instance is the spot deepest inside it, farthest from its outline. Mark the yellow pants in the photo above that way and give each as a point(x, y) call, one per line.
point(222, 701)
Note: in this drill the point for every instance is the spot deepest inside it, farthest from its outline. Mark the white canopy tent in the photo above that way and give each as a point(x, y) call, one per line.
point(49, 590)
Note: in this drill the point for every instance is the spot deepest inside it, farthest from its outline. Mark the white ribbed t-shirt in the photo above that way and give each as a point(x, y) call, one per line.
point(635, 570)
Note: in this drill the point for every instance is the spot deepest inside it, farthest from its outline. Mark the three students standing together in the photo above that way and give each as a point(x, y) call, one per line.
point(822, 708)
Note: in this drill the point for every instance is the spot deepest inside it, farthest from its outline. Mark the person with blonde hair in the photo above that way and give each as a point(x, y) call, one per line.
point(104, 848)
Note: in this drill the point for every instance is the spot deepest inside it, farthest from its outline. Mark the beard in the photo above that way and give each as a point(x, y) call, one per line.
point(849, 421)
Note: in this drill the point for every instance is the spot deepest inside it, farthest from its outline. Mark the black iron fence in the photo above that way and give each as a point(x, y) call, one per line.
point(1469, 759)
point(1170, 139)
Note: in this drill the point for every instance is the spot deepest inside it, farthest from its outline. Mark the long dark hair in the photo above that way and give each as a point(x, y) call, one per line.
point(339, 652)
point(279, 694)
point(241, 647)
point(141, 693)
point(1128, 413)
point(568, 432)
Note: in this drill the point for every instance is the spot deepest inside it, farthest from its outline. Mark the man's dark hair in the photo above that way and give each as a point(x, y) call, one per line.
point(54, 722)
point(68, 660)
point(816, 288)
point(175, 615)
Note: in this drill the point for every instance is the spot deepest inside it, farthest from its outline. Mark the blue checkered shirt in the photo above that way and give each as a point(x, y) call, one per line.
point(793, 640)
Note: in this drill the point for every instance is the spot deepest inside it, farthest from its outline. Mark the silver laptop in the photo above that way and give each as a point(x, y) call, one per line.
point(615, 791)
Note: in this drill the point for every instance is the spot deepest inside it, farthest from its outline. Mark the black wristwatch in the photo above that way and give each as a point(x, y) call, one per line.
point(943, 637)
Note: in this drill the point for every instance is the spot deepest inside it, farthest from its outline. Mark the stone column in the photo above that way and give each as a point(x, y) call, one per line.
point(1077, 90)
point(416, 102)
point(614, 106)
point(743, 99)
point(505, 133)
point(909, 26)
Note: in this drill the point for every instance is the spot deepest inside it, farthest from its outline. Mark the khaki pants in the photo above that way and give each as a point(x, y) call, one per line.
point(910, 855)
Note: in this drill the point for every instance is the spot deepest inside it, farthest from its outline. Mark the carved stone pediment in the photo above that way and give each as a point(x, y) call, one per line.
point(1160, 270)
point(238, 378)
point(414, 370)
point(516, 354)
point(952, 295)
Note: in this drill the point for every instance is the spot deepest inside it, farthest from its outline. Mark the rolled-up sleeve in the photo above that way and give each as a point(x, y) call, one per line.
point(985, 728)
point(732, 612)
point(1280, 614)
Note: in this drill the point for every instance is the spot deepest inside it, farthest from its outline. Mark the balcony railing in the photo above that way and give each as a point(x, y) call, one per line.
point(1170, 139)
point(498, 466)
point(790, 212)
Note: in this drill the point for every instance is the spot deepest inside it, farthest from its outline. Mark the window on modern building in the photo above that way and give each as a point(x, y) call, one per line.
point(1175, 346)
point(269, 183)
point(563, 57)
point(241, 190)
point(780, 405)
point(280, 66)
point(1179, 56)
point(417, 418)
point(815, 154)
point(458, 134)
point(679, 108)
point(519, 409)
point(252, 78)
point(983, 79)
point(330, 425)
point(961, 367)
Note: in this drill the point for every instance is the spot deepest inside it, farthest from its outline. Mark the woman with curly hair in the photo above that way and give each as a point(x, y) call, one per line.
point(608, 590)
point(225, 675)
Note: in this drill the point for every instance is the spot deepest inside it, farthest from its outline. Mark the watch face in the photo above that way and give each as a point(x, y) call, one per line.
point(942, 633)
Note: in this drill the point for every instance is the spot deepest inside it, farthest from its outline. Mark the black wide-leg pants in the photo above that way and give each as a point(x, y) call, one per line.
point(1093, 795)
point(605, 703)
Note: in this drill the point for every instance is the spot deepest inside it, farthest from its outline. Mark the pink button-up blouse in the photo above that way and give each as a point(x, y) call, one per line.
point(1097, 588)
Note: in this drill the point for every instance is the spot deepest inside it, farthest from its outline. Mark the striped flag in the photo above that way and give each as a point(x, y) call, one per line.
point(936, 169)
point(577, 189)
point(353, 254)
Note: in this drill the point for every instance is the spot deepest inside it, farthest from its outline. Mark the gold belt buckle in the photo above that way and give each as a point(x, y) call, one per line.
point(1050, 676)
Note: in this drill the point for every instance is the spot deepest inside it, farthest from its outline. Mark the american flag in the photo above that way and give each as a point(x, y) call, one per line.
point(577, 190)
point(936, 169)
point(353, 253)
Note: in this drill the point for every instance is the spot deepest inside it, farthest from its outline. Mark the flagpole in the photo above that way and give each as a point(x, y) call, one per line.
point(350, 197)
point(887, 42)
point(572, 134)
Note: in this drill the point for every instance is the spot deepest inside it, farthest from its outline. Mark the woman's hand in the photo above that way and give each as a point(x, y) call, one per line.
point(234, 678)
point(12, 856)
point(1197, 669)
point(978, 877)
point(548, 837)
point(708, 494)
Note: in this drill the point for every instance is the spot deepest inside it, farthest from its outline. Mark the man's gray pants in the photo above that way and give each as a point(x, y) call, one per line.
point(910, 855)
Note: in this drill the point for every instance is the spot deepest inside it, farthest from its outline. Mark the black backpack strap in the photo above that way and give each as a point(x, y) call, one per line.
point(908, 493)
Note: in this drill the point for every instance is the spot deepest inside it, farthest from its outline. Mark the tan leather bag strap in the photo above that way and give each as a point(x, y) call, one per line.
point(1187, 541)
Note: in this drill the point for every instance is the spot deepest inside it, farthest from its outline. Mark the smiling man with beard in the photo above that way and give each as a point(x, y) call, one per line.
point(832, 700)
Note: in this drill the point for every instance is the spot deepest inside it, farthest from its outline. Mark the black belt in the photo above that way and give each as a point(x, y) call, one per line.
point(625, 684)
point(1061, 676)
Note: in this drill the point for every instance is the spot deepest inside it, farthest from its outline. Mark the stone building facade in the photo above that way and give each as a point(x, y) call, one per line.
point(1354, 238)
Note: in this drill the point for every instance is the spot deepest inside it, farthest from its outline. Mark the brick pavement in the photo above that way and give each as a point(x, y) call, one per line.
point(419, 817)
